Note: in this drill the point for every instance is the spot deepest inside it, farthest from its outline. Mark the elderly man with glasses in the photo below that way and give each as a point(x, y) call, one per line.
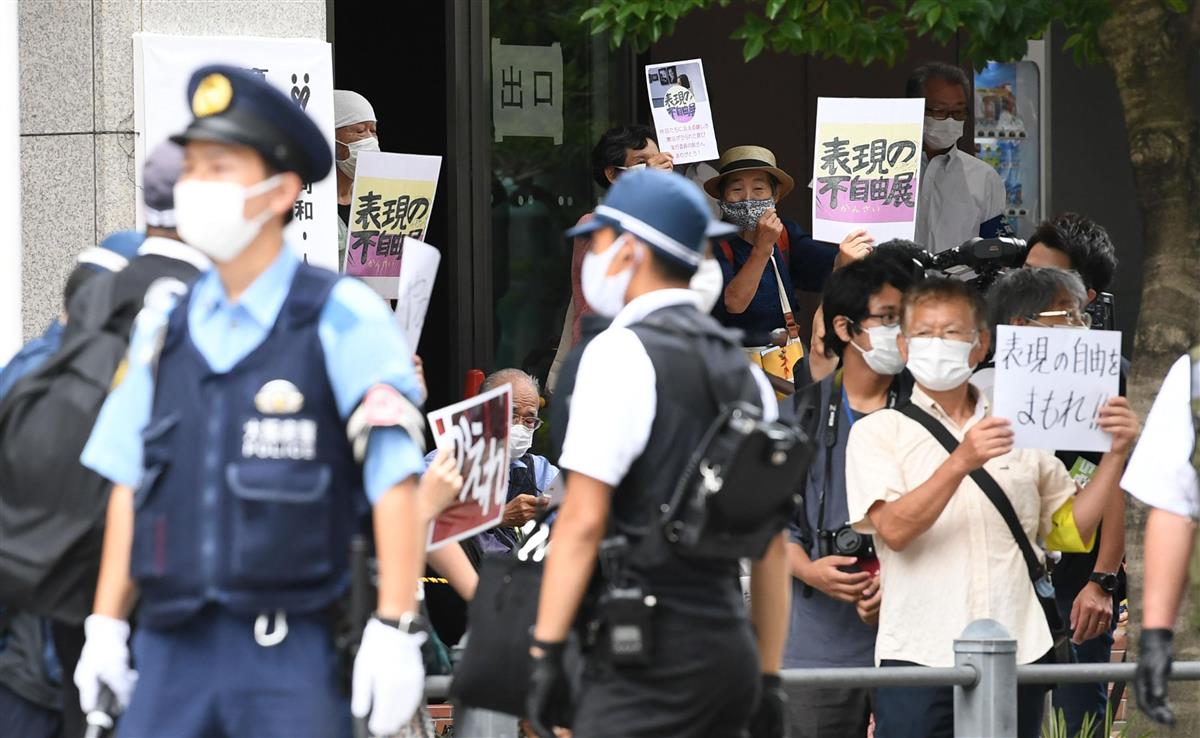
point(947, 557)
point(529, 475)
point(961, 196)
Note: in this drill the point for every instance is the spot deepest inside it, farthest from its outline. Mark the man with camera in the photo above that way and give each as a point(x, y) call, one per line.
point(834, 567)
point(1087, 586)
point(673, 652)
point(928, 481)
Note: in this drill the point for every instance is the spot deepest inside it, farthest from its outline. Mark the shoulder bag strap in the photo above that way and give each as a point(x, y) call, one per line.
point(785, 304)
point(990, 488)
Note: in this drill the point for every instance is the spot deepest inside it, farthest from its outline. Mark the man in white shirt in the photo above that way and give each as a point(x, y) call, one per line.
point(946, 556)
point(960, 196)
point(1162, 473)
point(644, 394)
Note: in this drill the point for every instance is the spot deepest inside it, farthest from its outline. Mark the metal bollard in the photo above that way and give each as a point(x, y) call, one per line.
point(989, 708)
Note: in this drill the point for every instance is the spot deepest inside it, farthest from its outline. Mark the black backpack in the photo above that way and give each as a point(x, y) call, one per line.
point(52, 508)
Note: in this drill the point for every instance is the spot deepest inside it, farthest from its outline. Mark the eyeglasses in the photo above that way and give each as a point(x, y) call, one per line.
point(1070, 317)
point(949, 334)
point(887, 320)
point(940, 114)
point(532, 423)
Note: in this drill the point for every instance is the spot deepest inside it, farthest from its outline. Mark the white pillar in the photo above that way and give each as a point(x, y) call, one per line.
point(10, 186)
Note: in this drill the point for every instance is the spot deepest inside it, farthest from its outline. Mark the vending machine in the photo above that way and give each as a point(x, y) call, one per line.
point(1011, 124)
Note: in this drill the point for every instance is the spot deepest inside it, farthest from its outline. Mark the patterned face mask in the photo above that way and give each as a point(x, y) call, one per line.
point(745, 214)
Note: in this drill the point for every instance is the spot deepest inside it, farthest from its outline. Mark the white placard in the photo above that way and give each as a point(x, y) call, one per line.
point(867, 167)
point(1052, 382)
point(418, 270)
point(392, 203)
point(301, 68)
point(527, 94)
point(682, 111)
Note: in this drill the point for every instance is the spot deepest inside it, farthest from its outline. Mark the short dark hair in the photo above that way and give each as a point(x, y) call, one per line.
point(1086, 244)
point(904, 258)
point(669, 267)
point(848, 292)
point(944, 289)
point(610, 149)
point(915, 87)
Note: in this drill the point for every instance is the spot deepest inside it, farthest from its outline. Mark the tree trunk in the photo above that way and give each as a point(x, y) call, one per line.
point(1148, 49)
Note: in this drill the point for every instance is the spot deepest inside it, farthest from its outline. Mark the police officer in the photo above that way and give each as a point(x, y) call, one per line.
point(639, 407)
point(249, 423)
point(1162, 473)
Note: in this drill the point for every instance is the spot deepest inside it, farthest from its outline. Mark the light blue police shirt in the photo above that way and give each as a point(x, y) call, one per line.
point(363, 347)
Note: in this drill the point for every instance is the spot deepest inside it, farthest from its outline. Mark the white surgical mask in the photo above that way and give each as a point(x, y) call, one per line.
point(348, 165)
point(938, 364)
point(709, 283)
point(633, 168)
point(605, 294)
point(884, 356)
point(942, 134)
point(211, 215)
point(520, 438)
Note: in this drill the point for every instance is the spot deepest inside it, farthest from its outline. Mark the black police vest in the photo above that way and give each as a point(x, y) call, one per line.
point(685, 409)
point(251, 492)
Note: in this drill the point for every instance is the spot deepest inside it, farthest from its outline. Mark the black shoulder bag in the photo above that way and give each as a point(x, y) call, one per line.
point(1038, 576)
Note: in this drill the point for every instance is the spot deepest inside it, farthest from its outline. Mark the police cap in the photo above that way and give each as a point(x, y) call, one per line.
point(238, 106)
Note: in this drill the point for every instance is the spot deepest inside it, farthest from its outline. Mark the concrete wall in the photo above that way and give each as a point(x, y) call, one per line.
point(76, 77)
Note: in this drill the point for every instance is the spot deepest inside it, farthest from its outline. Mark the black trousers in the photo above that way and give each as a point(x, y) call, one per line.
point(702, 682)
point(928, 712)
point(68, 643)
point(829, 712)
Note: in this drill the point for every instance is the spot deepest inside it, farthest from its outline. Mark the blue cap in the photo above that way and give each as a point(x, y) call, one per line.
point(238, 106)
point(113, 253)
point(665, 210)
point(163, 166)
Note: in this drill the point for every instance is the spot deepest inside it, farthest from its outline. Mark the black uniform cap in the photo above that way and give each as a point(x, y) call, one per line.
point(238, 106)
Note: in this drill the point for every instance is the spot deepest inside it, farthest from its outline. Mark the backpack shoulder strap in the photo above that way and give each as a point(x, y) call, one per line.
point(726, 249)
point(784, 243)
point(991, 489)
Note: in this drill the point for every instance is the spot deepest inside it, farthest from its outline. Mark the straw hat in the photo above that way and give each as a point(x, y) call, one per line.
point(745, 158)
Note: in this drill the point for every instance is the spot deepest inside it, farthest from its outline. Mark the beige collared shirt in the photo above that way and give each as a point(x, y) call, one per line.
point(967, 565)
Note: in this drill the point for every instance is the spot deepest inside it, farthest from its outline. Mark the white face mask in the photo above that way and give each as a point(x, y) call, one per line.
point(938, 364)
point(348, 165)
point(520, 439)
point(605, 294)
point(211, 215)
point(709, 283)
point(942, 134)
point(884, 356)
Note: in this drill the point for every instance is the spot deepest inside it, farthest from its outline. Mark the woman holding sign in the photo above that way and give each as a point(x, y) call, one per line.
point(768, 259)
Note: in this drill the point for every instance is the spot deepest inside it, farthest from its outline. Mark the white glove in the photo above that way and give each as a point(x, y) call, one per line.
point(104, 660)
point(389, 677)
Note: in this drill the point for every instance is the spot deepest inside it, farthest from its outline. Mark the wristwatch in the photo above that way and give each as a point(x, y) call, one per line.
point(409, 622)
point(1106, 580)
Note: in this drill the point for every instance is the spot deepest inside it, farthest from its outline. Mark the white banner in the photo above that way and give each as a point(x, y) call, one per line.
point(1052, 382)
point(301, 68)
point(682, 111)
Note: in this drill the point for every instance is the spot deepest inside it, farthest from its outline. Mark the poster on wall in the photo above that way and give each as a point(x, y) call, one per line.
point(391, 203)
point(866, 167)
point(301, 68)
point(682, 111)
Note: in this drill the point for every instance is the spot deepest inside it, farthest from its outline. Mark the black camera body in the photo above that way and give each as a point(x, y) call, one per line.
point(980, 261)
point(845, 541)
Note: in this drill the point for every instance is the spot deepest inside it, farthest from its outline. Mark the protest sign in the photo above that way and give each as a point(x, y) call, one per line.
point(301, 68)
point(1051, 383)
point(866, 167)
point(682, 113)
point(418, 269)
point(527, 91)
point(476, 432)
point(392, 201)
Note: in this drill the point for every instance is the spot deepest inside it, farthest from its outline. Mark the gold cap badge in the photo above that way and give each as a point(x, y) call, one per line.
point(212, 96)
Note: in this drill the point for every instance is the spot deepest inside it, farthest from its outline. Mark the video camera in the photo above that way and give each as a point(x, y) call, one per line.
point(979, 261)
